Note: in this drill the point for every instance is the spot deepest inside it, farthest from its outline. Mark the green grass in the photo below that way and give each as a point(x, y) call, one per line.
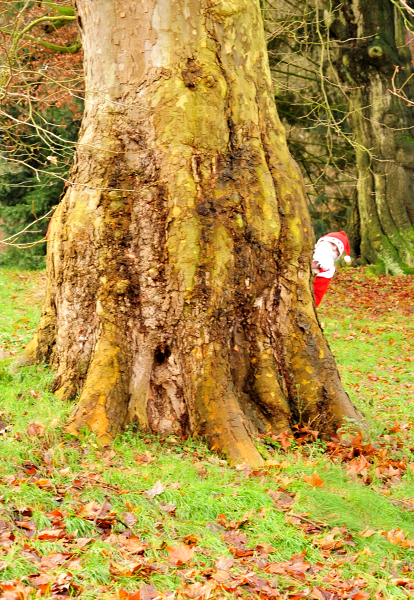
point(373, 353)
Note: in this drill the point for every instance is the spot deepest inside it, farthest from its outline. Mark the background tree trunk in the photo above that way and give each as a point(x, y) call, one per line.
point(374, 45)
point(179, 292)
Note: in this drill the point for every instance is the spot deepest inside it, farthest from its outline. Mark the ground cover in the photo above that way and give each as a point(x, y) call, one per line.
point(141, 519)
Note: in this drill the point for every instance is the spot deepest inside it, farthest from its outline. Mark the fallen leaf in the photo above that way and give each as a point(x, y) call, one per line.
point(132, 544)
point(82, 542)
point(284, 439)
point(191, 540)
point(148, 592)
point(93, 510)
point(367, 532)
point(179, 555)
point(36, 429)
point(129, 519)
point(224, 563)
point(221, 576)
point(145, 459)
point(155, 491)
point(328, 542)
point(198, 590)
point(176, 485)
point(124, 595)
point(168, 508)
point(314, 481)
point(50, 534)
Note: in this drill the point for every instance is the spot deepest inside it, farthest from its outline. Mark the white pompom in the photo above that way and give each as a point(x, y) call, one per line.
point(347, 259)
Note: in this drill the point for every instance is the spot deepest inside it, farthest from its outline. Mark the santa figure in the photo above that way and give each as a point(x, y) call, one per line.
point(328, 249)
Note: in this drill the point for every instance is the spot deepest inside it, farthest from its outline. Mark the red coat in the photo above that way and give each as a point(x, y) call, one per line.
point(321, 284)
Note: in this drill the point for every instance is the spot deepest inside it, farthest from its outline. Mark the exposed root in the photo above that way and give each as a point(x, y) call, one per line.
point(220, 418)
point(102, 406)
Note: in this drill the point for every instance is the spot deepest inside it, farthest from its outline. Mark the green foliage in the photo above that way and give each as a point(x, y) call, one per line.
point(30, 189)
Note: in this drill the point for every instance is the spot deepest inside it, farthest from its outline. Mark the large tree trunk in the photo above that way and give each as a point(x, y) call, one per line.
point(374, 45)
point(179, 289)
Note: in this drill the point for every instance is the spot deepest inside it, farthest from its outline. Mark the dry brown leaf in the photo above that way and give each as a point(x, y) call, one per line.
point(93, 510)
point(124, 595)
point(169, 508)
point(285, 439)
point(179, 555)
point(358, 467)
point(14, 590)
point(367, 532)
point(329, 543)
point(155, 491)
point(224, 563)
point(82, 542)
point(132, 545)
point(314, 480)
point(50, 534)
point(148, 592)
point(36, 429)
point(198, 590)
point(176, 485)
point(191, 539)
point(396, 537)
point(129, 519)
point(221, 576)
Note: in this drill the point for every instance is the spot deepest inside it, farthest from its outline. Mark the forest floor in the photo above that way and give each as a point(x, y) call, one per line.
point(145, 520)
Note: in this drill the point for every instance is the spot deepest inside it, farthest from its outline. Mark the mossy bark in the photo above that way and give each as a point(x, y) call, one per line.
point(374, 45)
point(179, 286)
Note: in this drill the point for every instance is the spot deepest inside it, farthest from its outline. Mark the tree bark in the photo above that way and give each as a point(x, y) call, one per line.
point(179, 289)
point(373, 46)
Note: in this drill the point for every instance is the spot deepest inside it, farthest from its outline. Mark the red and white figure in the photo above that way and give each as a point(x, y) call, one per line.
point(328, 249)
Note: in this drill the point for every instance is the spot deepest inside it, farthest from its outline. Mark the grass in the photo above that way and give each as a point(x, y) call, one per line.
point(43, 471)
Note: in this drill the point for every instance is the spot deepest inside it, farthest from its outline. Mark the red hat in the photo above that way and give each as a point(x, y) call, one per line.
point(340, 239)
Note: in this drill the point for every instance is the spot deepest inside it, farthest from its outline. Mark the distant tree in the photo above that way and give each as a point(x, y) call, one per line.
point(336, 65)
point(373, 56)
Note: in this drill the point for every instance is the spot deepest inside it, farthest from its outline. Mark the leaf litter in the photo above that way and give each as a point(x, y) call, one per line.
point(55, 518)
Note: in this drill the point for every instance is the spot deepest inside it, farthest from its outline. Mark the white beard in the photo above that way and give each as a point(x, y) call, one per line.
point(325, 255)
